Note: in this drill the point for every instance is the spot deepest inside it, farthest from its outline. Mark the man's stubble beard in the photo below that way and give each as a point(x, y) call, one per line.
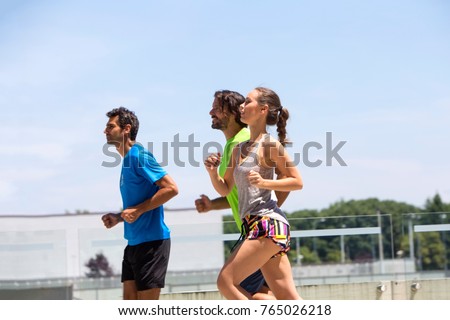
point(220, 124)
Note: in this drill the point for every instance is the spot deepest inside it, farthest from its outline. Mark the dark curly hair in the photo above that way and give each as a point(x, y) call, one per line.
point(231, 101)
point(126, 117)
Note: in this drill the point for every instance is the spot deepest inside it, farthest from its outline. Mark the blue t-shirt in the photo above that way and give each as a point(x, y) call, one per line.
point(140, 171)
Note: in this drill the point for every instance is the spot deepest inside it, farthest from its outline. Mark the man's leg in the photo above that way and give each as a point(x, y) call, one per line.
point(255, 284)
point(151, 269)
point(264, 294)
point(129, 290)
point(149, 294)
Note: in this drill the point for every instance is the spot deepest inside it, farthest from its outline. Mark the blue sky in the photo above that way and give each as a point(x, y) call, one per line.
point(375, 74)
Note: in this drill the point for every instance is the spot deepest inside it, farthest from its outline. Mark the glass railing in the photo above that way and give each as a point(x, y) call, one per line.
point(326, 250)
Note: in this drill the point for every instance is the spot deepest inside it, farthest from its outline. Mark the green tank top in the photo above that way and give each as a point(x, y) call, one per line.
point(232, 197)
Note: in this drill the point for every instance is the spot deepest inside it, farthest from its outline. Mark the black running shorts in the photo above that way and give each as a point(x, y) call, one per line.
point(146, 264)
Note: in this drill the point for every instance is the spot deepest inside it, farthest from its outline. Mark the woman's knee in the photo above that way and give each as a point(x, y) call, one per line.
point(220, 282)
point(225, 281)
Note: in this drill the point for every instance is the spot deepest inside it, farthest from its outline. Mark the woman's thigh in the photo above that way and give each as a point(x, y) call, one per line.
point(278, 274)
point(248, 258)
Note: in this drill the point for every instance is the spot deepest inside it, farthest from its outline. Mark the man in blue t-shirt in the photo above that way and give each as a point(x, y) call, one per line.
point(145, 186)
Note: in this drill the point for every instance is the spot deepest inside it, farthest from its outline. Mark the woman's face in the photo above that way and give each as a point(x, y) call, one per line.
point(250, 110)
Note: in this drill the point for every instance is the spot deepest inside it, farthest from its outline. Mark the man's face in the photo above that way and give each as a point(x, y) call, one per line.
point(114, 134)
point(220, 119)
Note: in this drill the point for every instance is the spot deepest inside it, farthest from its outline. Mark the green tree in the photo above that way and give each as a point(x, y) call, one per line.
point(436, 204)
point(435, 255)
point(395, 218)
point(355, 214)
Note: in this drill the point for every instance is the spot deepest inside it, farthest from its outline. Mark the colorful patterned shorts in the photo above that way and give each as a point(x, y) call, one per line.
point(265, 227)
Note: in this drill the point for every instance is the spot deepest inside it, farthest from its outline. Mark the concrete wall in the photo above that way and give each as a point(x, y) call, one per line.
point(438, 289)
point(53, 293)
point(435, 289)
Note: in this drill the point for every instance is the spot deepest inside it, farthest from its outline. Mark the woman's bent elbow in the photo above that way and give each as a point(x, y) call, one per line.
point(223, 193)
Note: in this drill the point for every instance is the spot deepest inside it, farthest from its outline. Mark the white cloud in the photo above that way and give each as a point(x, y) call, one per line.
point(39, 143)
point(26, 174)
point(53, 152)
point(385, 165)
point(7, 190)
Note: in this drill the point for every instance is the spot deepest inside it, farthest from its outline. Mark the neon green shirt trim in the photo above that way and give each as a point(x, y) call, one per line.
point(232, 197)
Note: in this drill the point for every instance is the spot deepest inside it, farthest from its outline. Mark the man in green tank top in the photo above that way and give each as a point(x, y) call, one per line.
point(226, 117)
